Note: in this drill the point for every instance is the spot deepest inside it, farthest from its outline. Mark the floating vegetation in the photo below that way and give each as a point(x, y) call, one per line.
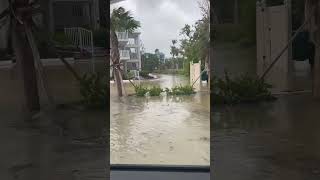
point(156, 91)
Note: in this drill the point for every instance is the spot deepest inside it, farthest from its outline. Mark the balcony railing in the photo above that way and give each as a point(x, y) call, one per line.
point(122, 36)
point(124, 54)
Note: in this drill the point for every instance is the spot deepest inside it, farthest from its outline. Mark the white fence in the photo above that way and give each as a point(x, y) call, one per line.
point(273, 33)
point(83, 39)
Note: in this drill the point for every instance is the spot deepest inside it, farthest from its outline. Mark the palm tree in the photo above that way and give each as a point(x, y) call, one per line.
point(121, 20)
point(19, 23)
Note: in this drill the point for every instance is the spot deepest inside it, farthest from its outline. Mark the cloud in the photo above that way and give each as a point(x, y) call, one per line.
point(162, 20)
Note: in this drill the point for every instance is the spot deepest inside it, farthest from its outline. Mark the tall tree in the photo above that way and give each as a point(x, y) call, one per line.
point(313, 6)
point(121, 21)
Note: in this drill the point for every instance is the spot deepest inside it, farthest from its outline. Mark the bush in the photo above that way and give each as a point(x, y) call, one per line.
point(144, 74)
point(180, 90)
point(61, 38)
point(155, 91)
point(141, 91)
point(240, 90)
point(93, 88)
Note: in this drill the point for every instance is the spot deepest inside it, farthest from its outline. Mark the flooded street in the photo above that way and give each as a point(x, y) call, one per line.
point(279, 140)
point(160, 130)
point(266, 141)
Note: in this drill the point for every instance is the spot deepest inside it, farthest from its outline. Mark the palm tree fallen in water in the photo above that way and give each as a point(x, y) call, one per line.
point(121, 21)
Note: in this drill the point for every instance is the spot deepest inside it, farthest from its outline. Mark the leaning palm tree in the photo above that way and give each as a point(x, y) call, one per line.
point(121, 21)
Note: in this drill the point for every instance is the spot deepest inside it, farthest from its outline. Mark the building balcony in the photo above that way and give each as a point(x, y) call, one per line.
point(122, 36)
point(124, 54)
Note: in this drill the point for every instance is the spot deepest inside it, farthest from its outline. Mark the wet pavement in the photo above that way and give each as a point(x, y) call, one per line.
point(160, 130)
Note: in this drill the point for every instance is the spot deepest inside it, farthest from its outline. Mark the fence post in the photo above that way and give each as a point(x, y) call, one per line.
point(92, 53)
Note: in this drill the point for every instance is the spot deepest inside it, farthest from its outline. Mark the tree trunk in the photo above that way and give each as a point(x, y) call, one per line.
point(115, 57)
point(26, 68)
point(315, 36)
point(316, 68)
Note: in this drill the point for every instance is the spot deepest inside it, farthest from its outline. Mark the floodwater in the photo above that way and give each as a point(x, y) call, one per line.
point(37, 150)
point(266, 141)
point(279, 140)
point(160, 130)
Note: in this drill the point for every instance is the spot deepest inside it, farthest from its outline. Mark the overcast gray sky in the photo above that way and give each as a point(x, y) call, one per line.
point(161, 20)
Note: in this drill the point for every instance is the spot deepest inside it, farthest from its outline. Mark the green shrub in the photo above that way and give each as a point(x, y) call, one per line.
point(144, 74)
point(240, 90)
point(61, 38)
point(180, 90)
point(140, 90)
point(155, 91)
point(93, 88)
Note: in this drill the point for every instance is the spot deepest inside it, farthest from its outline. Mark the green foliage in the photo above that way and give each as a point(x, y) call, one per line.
point(93, 88)
point(61, 38)
point(149, 62)
point(155, 91)
point(145, 74)
point(181, 90)
point(141, 91)
point(121, 20)
point(240, 90)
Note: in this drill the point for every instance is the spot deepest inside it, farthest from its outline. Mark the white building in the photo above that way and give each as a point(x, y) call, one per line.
point(130, 50)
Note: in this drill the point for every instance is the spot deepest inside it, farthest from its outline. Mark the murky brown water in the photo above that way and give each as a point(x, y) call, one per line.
point(160, 130)
point(35, 151)
point(267, 141)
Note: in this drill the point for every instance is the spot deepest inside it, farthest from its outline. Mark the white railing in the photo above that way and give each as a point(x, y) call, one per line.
point(122, 36)
point(83, 39)
point(124, 54)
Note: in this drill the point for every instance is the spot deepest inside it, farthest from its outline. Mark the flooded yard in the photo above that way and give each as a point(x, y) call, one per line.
point(37, 150)
point(160, 130)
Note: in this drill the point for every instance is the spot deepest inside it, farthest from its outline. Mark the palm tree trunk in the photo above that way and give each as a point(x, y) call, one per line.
point(316, 38)
point(115, 57)
point(25, 64)
point(316, 69)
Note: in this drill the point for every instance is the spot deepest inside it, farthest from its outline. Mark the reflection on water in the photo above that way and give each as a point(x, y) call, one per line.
point(160, 130)
point(278, 140)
